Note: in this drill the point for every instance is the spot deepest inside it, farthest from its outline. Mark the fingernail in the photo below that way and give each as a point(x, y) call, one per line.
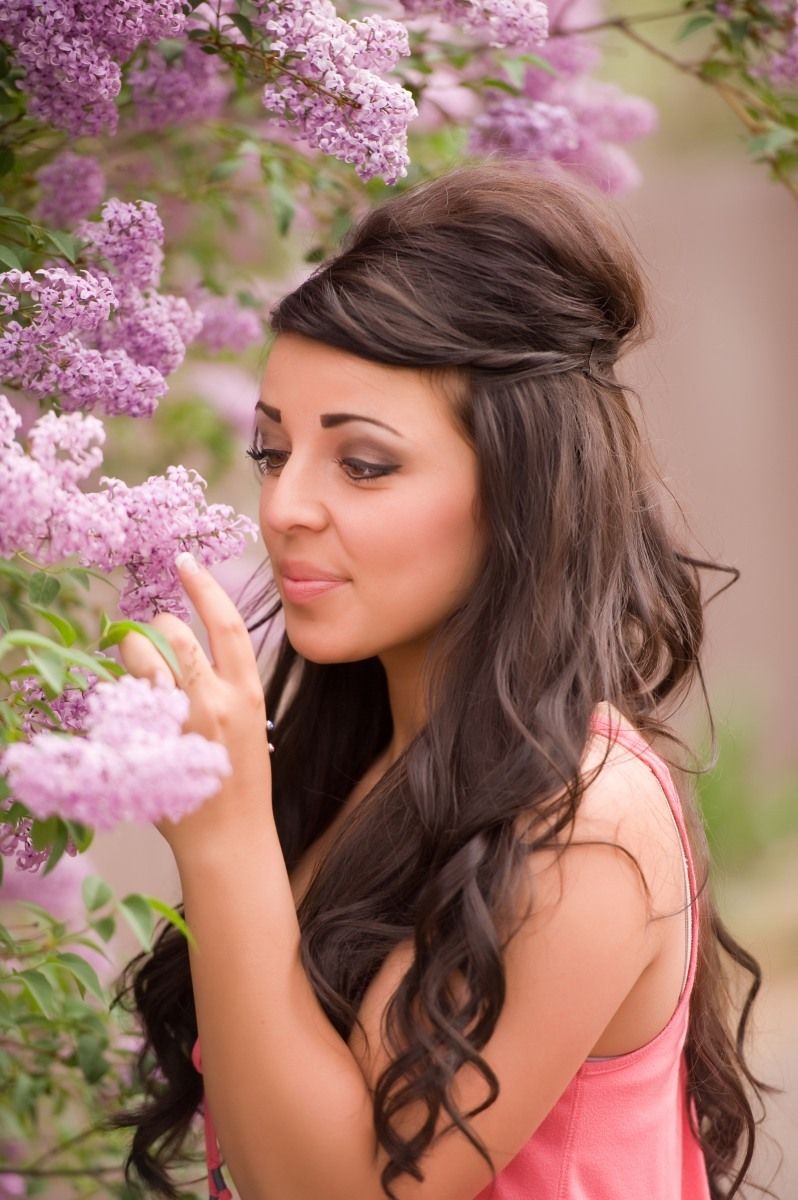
point(187, 561)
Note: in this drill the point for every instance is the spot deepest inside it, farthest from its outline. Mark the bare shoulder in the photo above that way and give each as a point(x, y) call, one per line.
point(624, 809)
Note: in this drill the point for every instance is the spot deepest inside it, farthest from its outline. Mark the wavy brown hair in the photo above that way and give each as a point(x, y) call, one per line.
point(518, 294)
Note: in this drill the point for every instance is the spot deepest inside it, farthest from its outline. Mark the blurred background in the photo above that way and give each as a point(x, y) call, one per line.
point(718, 242)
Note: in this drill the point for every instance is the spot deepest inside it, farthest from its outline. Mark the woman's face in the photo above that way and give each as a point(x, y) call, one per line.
point(366, 479)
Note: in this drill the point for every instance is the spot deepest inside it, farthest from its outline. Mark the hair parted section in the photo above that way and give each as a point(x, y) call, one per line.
point(500, 283)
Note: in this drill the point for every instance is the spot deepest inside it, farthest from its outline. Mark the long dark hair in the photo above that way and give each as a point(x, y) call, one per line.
point(518, 294)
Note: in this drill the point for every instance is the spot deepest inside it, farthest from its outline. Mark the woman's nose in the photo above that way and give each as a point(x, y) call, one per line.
point(293, 498)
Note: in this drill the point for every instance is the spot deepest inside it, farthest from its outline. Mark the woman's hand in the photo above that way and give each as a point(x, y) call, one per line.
point(227, 706)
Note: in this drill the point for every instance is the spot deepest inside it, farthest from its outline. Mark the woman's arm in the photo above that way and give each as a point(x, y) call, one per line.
point(290, 1099)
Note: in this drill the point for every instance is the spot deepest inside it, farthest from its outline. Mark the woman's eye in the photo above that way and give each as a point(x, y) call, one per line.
point(270, 461)
point(267, 461)
point(361, 472)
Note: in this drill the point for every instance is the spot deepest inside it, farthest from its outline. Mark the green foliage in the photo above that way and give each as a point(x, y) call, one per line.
point(744, 817)
point(67, 1057)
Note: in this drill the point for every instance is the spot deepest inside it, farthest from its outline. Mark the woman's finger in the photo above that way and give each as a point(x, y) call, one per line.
point(229, 641)
point(141, 658)
point(196, 672)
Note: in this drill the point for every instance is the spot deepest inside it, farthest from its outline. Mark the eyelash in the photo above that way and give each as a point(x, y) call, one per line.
point(260, 455)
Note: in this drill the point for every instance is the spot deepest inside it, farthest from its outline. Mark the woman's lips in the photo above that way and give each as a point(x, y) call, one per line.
point(299, 590)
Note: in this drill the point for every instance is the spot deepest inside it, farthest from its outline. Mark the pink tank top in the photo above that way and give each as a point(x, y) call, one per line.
point(621, 1129)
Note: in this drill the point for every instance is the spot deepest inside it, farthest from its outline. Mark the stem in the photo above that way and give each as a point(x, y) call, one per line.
point(612, 22)
point(82, 1136)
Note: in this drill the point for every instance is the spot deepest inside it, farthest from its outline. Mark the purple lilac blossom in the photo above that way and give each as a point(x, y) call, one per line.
point(226, 324)
point(134, 764)
point(781, 67)
point(46, 355)
point(567, 119)
point(191, 87)
point(15, 839)
point(130, 236)
point(69, 345)
point(71, 187)
point(151, 328)
point(167, 514)
point(140, 528)
point(71, 53)
point(333, 97)
point(69, 709)
point(519, 24)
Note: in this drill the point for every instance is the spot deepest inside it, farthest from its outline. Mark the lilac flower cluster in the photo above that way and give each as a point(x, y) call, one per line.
point(781, 67)
point(71, 187)
point(140, 528)
point(133, 764)
point(102, 337)
point(130, 237)
point(190, 87)
point(70, 711)
point(164, 515)
point(226, 324)
point(329, 92)
point(567, 118)
point(519, 24)
point(15, 839)
point(71, 51)
point(45, 353)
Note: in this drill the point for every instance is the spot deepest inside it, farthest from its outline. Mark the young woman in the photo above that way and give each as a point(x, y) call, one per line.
point(452, 939)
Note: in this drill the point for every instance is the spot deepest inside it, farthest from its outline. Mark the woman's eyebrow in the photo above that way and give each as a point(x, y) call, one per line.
point(328, 420)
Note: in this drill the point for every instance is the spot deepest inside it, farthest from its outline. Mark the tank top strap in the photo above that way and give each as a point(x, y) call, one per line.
point(634, 741)
point(217, 1188)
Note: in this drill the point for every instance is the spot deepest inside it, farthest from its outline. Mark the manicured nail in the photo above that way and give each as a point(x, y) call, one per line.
point(187, 561)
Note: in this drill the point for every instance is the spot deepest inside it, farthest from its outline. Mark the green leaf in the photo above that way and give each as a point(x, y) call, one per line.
point(171, 48)
point(91, 1059)
point(96, 892)
point(542, 64)
point(105, 927)
point(772, 141)
point(243, 24)
point(80, 576)
point(58, 847)
point(43, 831)
point(43, 587)
point(64, 628)
point(102, 667)
point(172, 916)
point(224, 170)
point(39, 989)
point(4, 619)
point(50, 668)
point(11, 214)
point(7, 160)
point(693, 25)
point(9, 258)
point(81, 835)
point(491, 81)
point(115, 631)
point(515, 71)
point(68, 245)
point(84, 973)
point(139, 917)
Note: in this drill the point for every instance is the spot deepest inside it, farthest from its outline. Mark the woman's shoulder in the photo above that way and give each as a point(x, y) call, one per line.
point(623, 809)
